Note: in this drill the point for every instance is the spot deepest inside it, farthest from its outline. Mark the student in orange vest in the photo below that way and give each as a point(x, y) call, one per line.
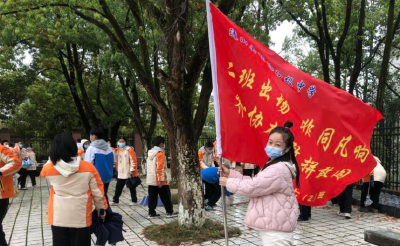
point(9, 164)
point(157, 179)
point(126, 166)
point(6, 143)
point(82, 147)
point(206, 158)
point(75, 187)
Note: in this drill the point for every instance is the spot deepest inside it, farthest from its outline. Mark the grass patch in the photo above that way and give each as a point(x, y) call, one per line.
point(171, 234)
point(174, 199)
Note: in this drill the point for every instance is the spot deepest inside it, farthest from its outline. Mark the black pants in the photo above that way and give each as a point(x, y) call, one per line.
point(214, 193)
point(305, 212)
point(3, 210)
point(105, 192)
point(206, 191)
point(32, 175)
point(118, 191)
point(251, 172)
point(345, 199)
point(374, 193)
point(165, 196)
point(65, 236)
point(22, 178)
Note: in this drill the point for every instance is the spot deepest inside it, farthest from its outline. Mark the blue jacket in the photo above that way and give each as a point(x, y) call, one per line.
point(102, 156)
point(211, 175)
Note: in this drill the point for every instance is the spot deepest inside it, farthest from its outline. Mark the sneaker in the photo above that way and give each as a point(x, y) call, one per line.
point(208, 208)
point(174, 214)
point(23, 188)
point(340, 214)
point(114, 203)
point(153, 216)
point(132, 203)
point(364, 209)
point(302, 219)
point(347, 215)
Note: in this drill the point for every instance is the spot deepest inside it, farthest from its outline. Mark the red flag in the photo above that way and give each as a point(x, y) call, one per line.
point(256, 90)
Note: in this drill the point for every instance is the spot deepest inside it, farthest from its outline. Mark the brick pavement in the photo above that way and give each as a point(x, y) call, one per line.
point(25, 222)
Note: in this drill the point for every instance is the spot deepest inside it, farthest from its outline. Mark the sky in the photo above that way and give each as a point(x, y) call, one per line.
point(279, 35)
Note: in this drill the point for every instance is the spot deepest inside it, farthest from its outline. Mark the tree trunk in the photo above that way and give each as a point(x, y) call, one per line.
point(69, 76)
point(191, 212)
point(114, 133)
point(359, 52)
point(336, 62)
point(386, 57)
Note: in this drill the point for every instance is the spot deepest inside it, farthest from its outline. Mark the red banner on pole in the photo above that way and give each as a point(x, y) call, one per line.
point(256, 90)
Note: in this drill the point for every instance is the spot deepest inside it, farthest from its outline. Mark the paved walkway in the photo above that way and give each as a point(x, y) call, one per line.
point(25, 223)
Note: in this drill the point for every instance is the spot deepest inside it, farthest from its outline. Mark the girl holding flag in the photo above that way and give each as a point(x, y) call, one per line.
point(273, 209)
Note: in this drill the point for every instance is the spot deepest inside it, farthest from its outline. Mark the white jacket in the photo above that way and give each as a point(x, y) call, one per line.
point(205, 159)
point(32, 157)
point(156, 167)
point(379, 171)
point(125, 163)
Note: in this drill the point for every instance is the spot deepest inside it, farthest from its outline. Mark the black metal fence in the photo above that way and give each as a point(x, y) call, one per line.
point(40, 143)
point(385, 144)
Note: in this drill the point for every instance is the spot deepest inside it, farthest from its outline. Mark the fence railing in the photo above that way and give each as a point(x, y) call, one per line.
point(385, 144)
point(41, 144)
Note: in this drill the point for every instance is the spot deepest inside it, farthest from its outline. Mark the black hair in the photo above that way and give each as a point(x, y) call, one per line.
point(4, 141)
point(288, 138)
point(124, 138)
point(64, 148)
point(78, 140)
point(29, 145)
point(158, 141)
point(98, 132)
point(209, 144)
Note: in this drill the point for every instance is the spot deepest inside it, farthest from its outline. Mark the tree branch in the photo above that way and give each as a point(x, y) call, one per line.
point(201, 55)
point(326, 30)
point(156, 13)
point(308, 32)
point(53, 5)
point(359, 52)
point(98, 98)
point(345, 29)
point(202, 107)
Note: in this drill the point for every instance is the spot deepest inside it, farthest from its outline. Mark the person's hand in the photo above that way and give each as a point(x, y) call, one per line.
point(223, 181)
point(102, 216)
point(225, 171)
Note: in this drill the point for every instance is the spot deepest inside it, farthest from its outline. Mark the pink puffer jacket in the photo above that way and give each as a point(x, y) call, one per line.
point(273, 205)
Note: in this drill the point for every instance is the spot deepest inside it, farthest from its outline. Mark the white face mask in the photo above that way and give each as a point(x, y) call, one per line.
point(6, 145)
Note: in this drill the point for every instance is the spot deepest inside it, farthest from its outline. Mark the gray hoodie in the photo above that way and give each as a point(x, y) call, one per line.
point(100, 144)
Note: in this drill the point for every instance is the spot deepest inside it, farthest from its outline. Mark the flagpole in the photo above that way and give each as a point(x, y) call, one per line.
point(224, 206)
point(213, 62)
